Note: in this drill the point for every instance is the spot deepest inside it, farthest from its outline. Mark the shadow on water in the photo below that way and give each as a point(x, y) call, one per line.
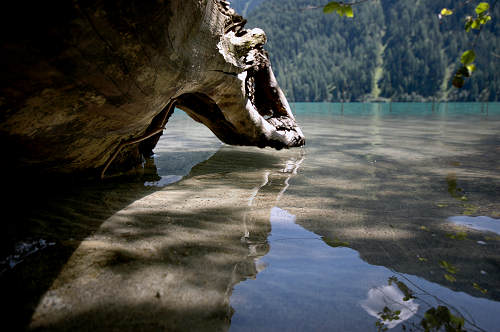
point(45, 222)
point(387, 188)
point(121, 255)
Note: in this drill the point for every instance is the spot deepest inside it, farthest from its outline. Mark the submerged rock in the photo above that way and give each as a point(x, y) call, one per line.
point(87, 85)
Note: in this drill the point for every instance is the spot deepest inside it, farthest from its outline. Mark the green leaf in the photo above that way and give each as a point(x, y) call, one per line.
point(468, 25)
point(484, 19)
point(388, 315)
point(331, 7)
point(406, 291)
point(446, 12)
point(470, 209)
point(457, 321)
point(437, 318)
point(482, 7)
point(391, 280)
point(476, 24)
point(468, 57)
point(479, 288)
point(450, 278)
point(340, 8)
point(457, 236)
point(448, 267)
point(348, 11)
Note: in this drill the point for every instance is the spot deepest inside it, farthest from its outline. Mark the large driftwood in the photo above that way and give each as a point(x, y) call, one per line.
point(82, 78)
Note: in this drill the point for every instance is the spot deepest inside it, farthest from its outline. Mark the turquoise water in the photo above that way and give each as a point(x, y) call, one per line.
point(395, 109)
point(389, 207)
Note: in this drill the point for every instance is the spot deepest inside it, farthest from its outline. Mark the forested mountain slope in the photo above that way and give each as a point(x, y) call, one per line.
point(397, 50)
point(245, 7)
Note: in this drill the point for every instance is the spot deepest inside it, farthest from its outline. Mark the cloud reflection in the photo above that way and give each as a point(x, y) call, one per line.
point(391, 297)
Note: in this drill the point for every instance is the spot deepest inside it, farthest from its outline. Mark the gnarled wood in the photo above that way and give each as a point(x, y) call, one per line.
point(80, 78)
point(149, 133)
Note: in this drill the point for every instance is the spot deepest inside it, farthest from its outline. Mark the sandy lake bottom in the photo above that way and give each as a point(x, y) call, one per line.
point(388, 217)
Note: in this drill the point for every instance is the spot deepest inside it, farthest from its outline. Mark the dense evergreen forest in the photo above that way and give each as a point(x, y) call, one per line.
point(391, 50)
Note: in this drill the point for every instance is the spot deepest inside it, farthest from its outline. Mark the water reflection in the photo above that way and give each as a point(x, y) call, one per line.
point(389, 299)
point(169, 260)
point(306, 241)
point(384, 185)
point(480, 223)
point(394, 211)
point(309, 285)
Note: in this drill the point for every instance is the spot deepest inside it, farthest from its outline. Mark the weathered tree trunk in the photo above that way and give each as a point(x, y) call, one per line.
point(83, 79)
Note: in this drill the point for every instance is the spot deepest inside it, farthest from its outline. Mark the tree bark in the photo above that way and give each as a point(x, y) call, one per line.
point(80, 78)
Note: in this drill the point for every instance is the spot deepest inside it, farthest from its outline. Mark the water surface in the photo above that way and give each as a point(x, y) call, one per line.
point(373, 203)
point(211, 237)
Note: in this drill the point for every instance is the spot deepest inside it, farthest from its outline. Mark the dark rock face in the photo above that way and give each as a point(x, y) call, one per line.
point(83, 79)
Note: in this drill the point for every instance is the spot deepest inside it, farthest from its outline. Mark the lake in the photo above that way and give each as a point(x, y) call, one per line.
point(389, 217)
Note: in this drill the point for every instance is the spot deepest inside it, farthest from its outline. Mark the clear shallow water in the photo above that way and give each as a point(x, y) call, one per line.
point(308, 285)
point(213, 237)
point(371, 199)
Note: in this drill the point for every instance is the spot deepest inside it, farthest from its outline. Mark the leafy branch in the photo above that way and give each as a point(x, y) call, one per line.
point(482, 17)
point(442, 316)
